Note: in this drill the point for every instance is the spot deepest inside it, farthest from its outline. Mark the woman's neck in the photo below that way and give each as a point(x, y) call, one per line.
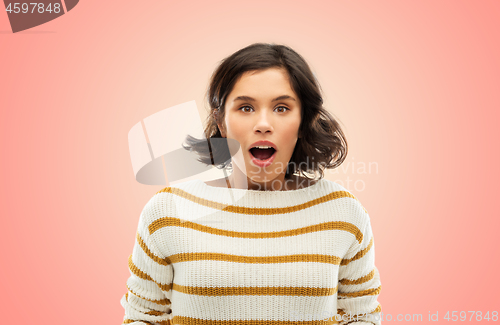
point(277, 184)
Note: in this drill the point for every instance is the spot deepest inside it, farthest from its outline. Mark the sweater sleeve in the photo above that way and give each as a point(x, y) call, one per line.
point(359, 282)
point(150, 281)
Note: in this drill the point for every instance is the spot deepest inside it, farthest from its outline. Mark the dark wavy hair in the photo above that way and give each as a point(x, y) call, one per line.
point(322, 143)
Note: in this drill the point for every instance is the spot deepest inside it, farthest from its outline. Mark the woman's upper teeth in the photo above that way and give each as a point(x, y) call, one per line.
point(262, 147)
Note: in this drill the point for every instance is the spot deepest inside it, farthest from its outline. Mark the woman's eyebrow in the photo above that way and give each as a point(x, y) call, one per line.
point(250, 99)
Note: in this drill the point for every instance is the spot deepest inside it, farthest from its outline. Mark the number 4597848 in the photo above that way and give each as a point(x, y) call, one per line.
point(24, 8)
point(455, 315)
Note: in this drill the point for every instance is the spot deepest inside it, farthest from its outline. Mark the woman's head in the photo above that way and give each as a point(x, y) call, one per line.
point(261, 107)
point(264, 70)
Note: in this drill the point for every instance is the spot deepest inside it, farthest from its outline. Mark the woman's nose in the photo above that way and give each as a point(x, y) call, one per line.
point(264, 123)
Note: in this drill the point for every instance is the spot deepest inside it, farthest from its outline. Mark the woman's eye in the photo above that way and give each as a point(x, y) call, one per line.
point(243, 108)
point(284, 108)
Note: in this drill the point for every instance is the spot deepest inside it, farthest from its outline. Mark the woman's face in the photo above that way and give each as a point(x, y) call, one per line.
point(262, 106)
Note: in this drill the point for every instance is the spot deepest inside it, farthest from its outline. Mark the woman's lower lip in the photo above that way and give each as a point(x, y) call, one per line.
point(262, 163)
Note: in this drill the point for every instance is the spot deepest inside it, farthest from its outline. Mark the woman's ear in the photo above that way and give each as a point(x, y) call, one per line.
point(219, 124)
point(222, 130)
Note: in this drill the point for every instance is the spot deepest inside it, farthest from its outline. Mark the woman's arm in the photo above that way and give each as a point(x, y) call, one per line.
point(150, 278)
point(359, 282)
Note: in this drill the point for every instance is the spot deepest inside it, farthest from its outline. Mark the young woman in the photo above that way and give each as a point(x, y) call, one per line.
point(266, 244)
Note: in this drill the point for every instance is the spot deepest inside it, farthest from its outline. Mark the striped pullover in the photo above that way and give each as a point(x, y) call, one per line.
point(224, 256)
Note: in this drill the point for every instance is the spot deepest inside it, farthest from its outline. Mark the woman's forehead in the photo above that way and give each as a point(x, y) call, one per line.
point(268, 83)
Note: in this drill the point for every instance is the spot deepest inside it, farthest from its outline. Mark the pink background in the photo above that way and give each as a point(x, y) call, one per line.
point(415, 85)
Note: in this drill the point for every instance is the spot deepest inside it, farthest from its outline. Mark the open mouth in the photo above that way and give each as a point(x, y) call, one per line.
point(262, 154)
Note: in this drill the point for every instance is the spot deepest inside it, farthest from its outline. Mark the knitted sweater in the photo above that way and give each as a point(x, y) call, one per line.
point(212, 256)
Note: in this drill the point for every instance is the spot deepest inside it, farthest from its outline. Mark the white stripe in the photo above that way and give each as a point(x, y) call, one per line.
point(281, 308)
point(227, 274)
point(175, 240)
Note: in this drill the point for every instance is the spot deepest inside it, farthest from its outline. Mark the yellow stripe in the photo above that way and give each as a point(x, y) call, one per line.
point(364, 279)
point(359, 255)
point(165, 301)
point(368, 292)
point(255, 291)
point(135, 270)
point(376, 310)
point(146, 250)
point(257, 211)
point(332, 225)
point(155, 313)
point(128, 321)
point(186, 257)
point(181, 320)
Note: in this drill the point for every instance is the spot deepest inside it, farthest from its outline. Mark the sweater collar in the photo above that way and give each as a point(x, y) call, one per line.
point(253, 198)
